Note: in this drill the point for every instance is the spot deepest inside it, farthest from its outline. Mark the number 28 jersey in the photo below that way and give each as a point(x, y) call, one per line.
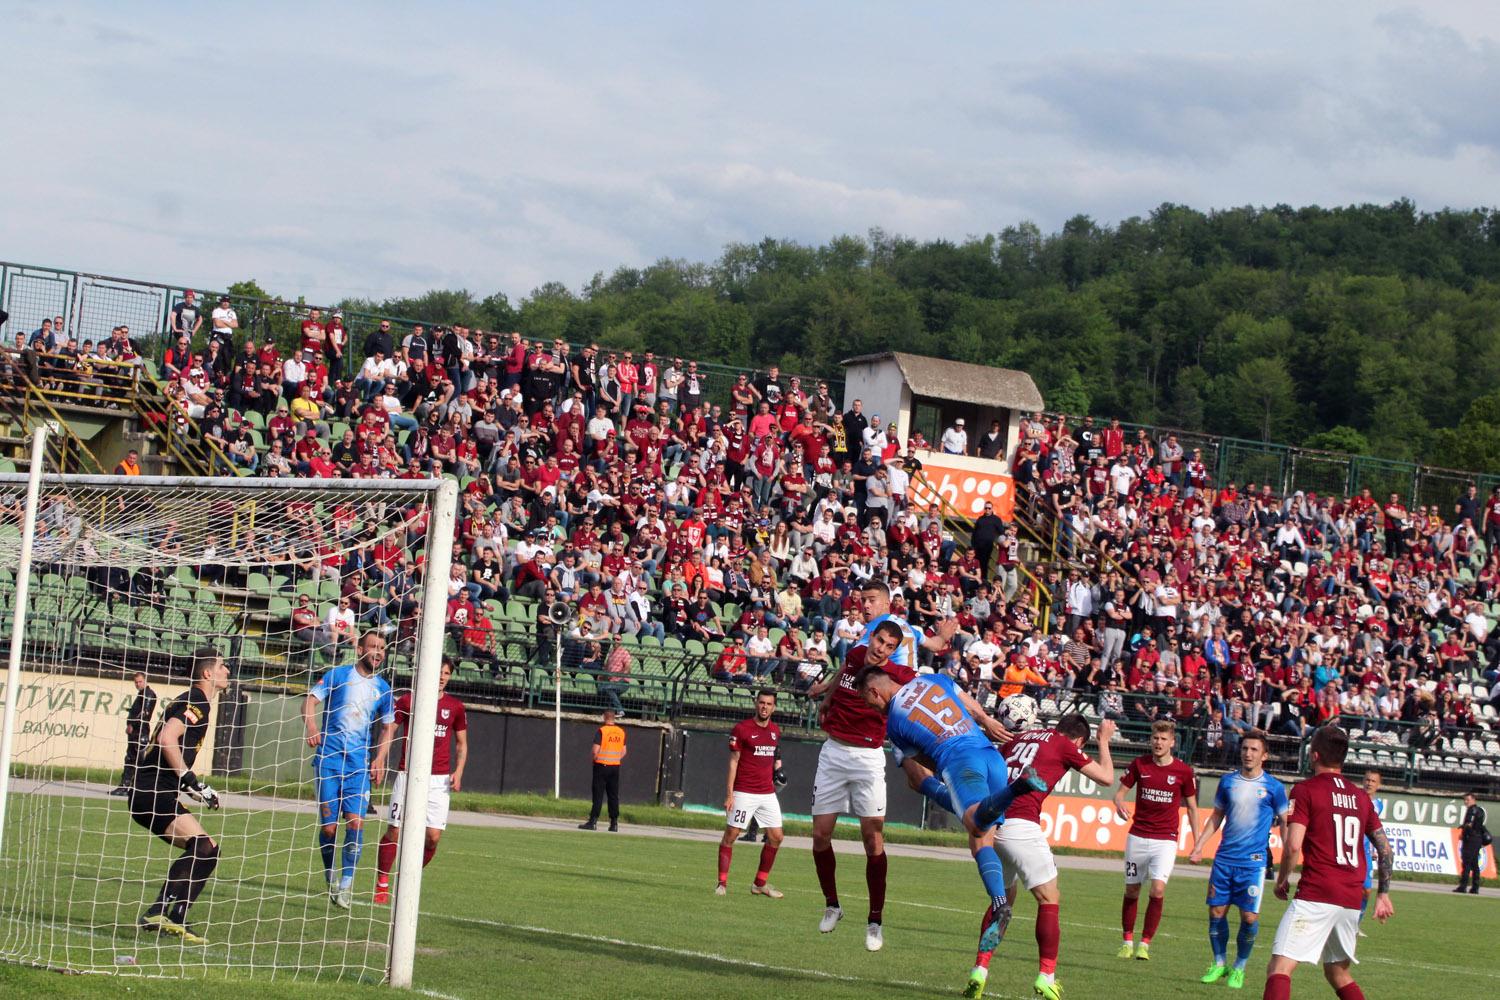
point(926, 717)
point(1338, 816)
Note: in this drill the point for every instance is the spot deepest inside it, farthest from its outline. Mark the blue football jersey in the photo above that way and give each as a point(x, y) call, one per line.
point(927, 717)
point(352, 704)
point(1250, 807)
point(906, 653)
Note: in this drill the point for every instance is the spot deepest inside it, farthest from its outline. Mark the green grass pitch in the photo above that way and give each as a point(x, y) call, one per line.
point(564, 913)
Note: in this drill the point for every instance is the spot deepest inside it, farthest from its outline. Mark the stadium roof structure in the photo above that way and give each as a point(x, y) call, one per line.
point(1004, 388)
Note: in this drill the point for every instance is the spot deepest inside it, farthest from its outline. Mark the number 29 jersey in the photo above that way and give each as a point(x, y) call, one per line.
point(1338, 816)
point(926, 717)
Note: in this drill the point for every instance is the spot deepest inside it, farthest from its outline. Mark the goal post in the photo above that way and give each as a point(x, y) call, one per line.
point(125, 581)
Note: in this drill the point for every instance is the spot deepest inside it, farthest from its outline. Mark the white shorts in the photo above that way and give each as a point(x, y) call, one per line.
point(1024, 850)
point(763, 807)
point(439, 786)
point(1317, 932)
point(849, 780)
point(1148, 859)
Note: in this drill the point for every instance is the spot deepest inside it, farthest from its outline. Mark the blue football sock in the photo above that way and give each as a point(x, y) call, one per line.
point(991, 872)
point(936, 792)
point(326, 842)
point(1218, 937)
point(1245, 941)
point(354, 840)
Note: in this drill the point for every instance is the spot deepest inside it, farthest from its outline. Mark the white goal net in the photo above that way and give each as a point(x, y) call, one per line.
point(130, 582)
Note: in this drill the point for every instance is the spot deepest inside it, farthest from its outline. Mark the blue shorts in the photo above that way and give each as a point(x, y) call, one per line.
point(974, 776)
point(1236, 885)
point(1369, 867)
point(342, 793)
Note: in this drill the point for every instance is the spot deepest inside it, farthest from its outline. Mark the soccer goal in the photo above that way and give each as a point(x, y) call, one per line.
point(117, 589)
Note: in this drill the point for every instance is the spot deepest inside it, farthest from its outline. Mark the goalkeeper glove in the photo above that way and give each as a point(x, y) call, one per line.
point(779, 776)
point(198, 791)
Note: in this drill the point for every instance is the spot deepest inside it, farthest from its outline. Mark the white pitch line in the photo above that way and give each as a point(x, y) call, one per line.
point(707, 956)
point(436, 995)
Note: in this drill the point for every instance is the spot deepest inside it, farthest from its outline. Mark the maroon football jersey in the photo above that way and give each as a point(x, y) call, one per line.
point(450, 719)
point(1159, 791)
point(1338, 816)
point(849, 720)
point(757, 745)
point(1052, 754)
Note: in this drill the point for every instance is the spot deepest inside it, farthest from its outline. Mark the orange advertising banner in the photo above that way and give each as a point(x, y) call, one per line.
point(966, 489)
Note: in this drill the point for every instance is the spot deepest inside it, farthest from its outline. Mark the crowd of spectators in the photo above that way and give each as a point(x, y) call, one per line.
point(745, 522)
point(1249, 608)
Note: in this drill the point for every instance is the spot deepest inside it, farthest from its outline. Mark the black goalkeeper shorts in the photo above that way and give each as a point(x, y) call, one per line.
point(155, 808)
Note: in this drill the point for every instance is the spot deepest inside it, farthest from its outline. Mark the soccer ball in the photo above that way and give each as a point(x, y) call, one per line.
point(1018, 713)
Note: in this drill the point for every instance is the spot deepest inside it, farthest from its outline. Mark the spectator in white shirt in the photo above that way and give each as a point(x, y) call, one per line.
point(340, 625)
point(956, 439)
point(1123, 477)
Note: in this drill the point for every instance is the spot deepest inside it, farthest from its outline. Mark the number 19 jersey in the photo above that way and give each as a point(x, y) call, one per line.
point(925, 716)
point(1338, 816)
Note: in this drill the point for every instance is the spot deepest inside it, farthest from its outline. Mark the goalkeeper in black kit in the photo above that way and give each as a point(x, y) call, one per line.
point(166, 768)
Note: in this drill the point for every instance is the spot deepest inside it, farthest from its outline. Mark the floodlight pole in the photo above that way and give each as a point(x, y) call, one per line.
point(557, 715)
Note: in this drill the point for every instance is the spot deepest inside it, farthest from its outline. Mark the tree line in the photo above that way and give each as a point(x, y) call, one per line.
point(1368, 328)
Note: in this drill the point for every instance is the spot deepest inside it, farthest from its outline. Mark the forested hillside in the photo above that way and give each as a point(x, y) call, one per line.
point(1369, 328)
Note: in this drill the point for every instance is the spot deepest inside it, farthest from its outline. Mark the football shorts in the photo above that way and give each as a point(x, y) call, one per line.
point(1147, 859)
point(439, 792)
point(1236, 885)
point(341, 792)
point(1024, 850)
point(763, 808)
point(155, 808)
point(972, 777)
point(849, 780)
point(1317, 932)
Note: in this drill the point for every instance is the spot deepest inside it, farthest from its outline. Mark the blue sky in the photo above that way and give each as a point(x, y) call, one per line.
point(380, 149)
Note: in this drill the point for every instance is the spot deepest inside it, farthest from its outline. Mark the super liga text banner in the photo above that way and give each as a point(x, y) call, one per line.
point(80, 721)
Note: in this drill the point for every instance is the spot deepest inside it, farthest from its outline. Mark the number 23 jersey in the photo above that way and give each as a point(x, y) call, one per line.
point(925, 716)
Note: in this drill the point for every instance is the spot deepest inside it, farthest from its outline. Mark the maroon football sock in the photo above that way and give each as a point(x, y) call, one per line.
point(1350, 991)
point(1278, 988)
point(824, 861)
point(1153, 919)
point(385, 859)
point(875, 866)
point(726, 851)
point(1127, 916)
point(767, 859)
point(1048, 934)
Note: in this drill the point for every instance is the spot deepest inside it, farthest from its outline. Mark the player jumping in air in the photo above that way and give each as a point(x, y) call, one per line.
point(1022, 845)
point(929, 720)
point(447, 777)
point(164, 769)
point(353, 698)
point(1248, 803)
point(1162, 784)
point(851, 763)
point(1331, 817)
point(754, 772)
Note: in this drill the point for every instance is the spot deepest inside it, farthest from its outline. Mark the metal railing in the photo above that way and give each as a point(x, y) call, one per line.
point(90, 306)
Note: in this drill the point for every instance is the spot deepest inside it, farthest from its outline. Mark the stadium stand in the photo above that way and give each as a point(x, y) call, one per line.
point(713, 531)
